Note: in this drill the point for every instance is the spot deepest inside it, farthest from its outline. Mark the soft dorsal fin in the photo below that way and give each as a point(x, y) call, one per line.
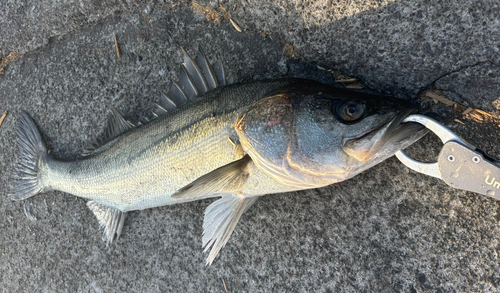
point(196, 77)
point(116, 125)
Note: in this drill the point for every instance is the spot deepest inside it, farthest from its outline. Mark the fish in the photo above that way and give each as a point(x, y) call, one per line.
point(213, 138)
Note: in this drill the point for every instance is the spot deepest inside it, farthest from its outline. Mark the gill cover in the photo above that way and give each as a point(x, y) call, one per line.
point(311, 135)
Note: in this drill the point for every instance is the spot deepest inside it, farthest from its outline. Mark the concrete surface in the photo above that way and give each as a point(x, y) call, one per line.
point(387, 230)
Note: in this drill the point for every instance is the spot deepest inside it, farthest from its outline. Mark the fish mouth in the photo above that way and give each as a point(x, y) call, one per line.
point(387, 138)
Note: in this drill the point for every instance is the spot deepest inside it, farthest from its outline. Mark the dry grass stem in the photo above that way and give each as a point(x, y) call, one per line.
point(477, 115)
point(231, 141)
point(467, 111)
point(6, 60)
point(3, 117)
point(355, 86)
point(346, 80)
point(484, 113)
point(117, 48)
point(439, 97)
point(235, 25)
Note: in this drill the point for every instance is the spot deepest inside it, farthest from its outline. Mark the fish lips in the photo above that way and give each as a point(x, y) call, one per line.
point(386, 138)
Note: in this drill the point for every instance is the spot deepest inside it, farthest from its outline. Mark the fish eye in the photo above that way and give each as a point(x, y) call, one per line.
point(351, 111)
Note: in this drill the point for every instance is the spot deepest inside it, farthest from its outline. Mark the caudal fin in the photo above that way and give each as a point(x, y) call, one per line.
point(32, 152)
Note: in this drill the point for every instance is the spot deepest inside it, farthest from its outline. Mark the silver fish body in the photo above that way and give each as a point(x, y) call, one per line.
point(143, 167)
point(237, 142)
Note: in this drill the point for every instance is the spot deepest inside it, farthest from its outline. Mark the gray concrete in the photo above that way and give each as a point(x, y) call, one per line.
point(387, 230)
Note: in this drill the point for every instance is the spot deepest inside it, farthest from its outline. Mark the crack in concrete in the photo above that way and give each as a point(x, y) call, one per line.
point(432, 84)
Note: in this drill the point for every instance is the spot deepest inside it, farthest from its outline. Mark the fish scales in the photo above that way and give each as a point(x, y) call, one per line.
point(237, 142)
point(143, 167)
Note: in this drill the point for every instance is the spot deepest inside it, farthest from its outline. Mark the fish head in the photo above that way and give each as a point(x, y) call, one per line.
point(324, 135)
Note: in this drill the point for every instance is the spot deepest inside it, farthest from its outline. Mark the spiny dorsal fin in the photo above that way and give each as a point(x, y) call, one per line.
point(220, 74)
point(160, 111)
point(187, 84)
point(207, 70)
point(230, 80)
point(196, 77)
point(110, 220)
point(226, 179)
point(176, 94)
point(166, 102)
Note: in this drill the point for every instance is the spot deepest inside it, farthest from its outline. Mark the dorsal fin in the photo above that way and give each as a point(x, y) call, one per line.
point(196, 77)
point(167, 103)
point(195, 72)
point(229, 80)
point(187, 84)
point(160, 110)
point(116, 125)
point(176, 94)
point(207, 70)
point(220, 74)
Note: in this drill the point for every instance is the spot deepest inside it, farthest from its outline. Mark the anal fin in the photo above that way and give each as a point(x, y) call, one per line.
point(220, 220)
point(226, 179)
point(110, 220)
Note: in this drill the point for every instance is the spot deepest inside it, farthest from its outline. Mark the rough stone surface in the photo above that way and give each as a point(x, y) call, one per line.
point(387, 230)
point(478, 85)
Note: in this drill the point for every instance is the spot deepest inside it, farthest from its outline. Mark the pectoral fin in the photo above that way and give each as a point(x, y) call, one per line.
point(226, 179)
point(220, 220)
point(110, 220)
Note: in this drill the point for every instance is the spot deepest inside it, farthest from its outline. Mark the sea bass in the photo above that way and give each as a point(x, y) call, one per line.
point(219, 139)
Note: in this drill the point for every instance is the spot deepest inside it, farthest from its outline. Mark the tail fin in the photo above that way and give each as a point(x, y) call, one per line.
point(31, 151)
